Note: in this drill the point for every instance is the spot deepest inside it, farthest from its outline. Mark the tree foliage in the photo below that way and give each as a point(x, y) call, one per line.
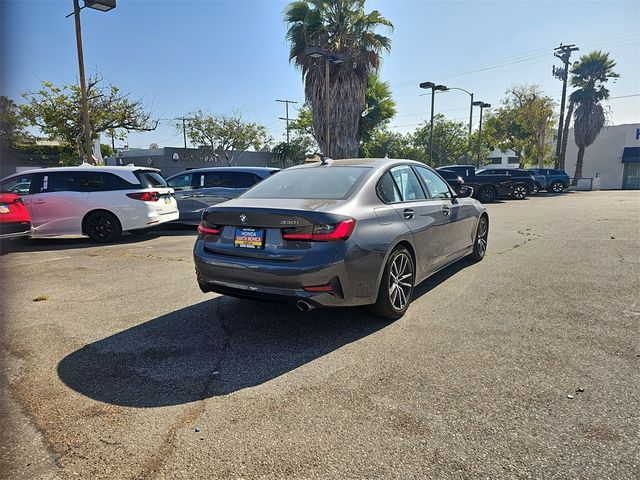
point(228, 134)
point(57, 111)
point(12, 125)
point(339, 27)
point(522, 123)
point(379, 109)
point(590, 76)
point(450, 140)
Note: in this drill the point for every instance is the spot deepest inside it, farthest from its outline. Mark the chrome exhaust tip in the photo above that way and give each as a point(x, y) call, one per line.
point(304, 306)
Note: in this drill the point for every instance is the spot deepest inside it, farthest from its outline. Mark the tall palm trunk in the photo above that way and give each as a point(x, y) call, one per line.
point(579, 162)
point(565, 135)
point(346, 103)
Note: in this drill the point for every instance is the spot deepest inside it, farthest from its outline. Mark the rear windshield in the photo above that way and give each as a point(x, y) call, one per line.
point(335, 183)
point(150, 179)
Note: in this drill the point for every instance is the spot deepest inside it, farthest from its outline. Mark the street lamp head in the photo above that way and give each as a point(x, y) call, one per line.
point(478, 103)
point(102, 5)
point(315, 52)
point(486, 105)
point(338, 58)
point(427, 85)
point(442, 88)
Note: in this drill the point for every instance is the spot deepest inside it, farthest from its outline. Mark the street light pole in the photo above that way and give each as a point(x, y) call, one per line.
point(327, 108)
point(482, 106)
point(83, 86)
point(103, 6)
point(433, 87)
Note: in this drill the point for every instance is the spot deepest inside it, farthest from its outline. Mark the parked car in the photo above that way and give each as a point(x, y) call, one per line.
point(452, 178)
point(100, 202)
point(340, 233)
point(522, 182)
point(485, 188)
point(555, 181)
point(14, 216)
point(200, 188)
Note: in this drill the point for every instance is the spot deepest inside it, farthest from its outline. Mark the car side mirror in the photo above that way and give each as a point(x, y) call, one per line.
point(464, 191)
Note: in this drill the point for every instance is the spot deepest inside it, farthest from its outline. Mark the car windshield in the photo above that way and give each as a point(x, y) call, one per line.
point(336, 183)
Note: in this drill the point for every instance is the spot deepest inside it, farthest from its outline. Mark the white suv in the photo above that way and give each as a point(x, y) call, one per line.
point(100, 202)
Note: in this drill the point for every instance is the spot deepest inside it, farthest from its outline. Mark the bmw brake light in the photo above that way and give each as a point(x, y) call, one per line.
point(325, 232)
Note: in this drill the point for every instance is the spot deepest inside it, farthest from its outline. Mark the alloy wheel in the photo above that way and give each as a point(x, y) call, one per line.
point(481, 238)
point(557, 187)
point(101, 226)
point(400, 281)
point(519, 192)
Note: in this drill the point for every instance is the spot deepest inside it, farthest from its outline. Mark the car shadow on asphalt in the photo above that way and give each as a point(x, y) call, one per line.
point(215, 348)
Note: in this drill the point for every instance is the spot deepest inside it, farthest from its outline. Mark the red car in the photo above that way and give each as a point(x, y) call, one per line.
point(14, 217)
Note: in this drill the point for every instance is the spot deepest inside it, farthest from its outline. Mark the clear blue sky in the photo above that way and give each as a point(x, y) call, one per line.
point(224, 55)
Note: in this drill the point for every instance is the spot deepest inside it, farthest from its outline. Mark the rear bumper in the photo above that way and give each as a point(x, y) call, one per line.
point(15, 229)
point(281, 281)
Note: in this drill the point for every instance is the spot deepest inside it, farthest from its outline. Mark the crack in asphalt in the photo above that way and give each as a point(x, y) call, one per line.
point(153, 466)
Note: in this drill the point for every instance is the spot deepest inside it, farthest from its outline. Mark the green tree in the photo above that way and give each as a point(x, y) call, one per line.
point(229, 134)
point(522, 123)
point(57, 111)
point(589, 75)
point(385, 143)
point(450, 140)
point(12, 125)
point(339, 27)
point(379, 109)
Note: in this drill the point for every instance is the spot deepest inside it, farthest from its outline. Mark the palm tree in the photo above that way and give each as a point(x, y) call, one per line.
point(379, 109)
point(339, 27)
point(590, 74)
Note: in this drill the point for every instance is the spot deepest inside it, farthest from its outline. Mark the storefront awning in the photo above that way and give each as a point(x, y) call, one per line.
point(631, 155)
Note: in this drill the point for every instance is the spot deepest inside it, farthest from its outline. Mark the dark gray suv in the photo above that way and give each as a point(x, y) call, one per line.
point(200, 188)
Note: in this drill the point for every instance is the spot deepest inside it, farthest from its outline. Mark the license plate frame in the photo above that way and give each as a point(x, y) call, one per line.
point(249, 237)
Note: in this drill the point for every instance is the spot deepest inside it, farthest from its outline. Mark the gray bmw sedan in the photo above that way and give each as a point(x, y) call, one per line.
point(340, 233)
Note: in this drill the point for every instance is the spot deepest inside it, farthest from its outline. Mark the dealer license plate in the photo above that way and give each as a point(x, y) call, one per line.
point(249, 237)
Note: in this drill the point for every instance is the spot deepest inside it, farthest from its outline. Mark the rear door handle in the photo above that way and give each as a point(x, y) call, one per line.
point(408, 213)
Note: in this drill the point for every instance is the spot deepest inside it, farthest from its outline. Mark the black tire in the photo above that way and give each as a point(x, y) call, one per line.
point(481, 240)
point(487, 194)
point(388, 304)
point(519, 191)
point(556, 187)
point(103, 227)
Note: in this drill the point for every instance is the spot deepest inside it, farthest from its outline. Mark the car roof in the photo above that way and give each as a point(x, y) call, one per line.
point(375, 163)
point(85, 167)
point(229, 169)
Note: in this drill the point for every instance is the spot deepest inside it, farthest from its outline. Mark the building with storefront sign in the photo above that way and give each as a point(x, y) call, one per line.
point(172, 160)
point(614, 157)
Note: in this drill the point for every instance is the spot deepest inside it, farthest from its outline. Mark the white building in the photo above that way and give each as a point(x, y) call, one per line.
point(614, 157)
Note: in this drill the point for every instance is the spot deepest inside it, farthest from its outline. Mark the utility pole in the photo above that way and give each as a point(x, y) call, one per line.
point(184, 128)
point(563, 52)
point(286, 118)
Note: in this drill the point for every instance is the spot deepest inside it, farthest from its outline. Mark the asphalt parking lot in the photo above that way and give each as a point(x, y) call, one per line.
point(117, 366)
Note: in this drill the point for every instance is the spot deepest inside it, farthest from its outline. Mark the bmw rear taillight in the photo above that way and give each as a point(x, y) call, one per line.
point(145, 196)
point(209, 230)
point(325, 232)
